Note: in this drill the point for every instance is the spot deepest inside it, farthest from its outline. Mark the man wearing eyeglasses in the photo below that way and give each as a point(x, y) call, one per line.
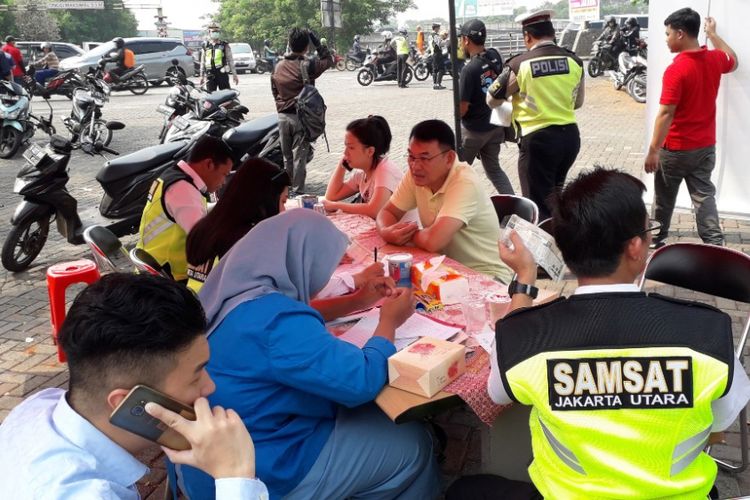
point(625, 388)
point(457, 215)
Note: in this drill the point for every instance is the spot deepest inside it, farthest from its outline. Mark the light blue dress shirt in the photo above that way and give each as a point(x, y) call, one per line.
point(49, 451)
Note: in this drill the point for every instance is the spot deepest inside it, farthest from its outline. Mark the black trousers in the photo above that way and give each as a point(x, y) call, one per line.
point(216, 79)
point(438, 68)
point(401, 69)
point(544, 158)
point(489, 487)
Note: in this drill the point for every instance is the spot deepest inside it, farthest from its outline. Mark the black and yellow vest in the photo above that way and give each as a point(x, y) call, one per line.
point(214, 55)
point(548, 79)
point(159, 234)
point(621, 386)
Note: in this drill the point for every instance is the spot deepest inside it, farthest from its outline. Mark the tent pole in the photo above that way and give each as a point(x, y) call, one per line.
point(454, 70)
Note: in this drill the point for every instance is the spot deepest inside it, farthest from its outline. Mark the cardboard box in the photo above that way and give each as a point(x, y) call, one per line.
point(440, 281)
point(426, 366)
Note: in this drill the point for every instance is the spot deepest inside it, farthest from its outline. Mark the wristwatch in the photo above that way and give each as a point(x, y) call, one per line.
point(516, 287)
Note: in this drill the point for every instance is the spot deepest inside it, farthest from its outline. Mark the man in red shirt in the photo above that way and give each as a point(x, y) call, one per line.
point(15, 54)
point(683, 145)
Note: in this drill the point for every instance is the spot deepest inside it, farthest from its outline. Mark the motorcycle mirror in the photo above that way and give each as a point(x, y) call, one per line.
point(175, 62)
point(113, 125)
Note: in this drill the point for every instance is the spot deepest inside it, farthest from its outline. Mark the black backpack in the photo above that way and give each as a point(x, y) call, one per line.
point(311, 108)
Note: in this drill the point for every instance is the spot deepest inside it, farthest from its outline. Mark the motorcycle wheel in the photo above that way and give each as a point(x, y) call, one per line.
point(637, 88)
point(260, 68)
point(341, 65)
point(23, 244)
point(101, 132)
point(365, 77)
point(138, 84)
point(421, 72)
point(409, 75)
point(350, 65)
point(595, 67)
point(10, 141)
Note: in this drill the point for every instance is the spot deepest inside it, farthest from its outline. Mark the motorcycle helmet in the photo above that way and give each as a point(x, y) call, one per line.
point(323, 41)
point(45, 45)
point(267, 42)
point(632, 22)
point(611, 20)
point(403, 31)
point(119, 42)
point(356, 38)
point(387, 35)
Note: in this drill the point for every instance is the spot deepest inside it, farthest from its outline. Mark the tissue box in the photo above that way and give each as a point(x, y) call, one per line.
point(426, 366)
point(442, 282)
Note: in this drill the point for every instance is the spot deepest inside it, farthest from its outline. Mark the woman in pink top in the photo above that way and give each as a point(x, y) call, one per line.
point(374, 177)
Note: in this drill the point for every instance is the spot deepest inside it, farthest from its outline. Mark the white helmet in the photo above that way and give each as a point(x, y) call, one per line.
point(387, 35)
point(45, 45)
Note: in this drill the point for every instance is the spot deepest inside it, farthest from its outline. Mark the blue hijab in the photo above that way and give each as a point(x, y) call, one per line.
point(293, 253)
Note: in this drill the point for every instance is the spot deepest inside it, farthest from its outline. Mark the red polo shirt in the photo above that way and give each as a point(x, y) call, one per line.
point(15, 54)
point(692, 83)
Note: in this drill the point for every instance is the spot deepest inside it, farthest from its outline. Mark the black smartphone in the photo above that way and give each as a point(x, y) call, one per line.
point(346, 165)
point(131, 415)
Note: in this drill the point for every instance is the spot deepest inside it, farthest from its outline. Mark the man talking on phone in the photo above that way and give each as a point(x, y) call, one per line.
point(122, 331)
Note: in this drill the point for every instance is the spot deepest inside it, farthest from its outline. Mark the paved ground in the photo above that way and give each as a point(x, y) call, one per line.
point(612, 135)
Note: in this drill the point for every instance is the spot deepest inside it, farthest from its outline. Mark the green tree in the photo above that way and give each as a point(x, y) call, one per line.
point(78, 26)
point(7, 21)
point(255, 20)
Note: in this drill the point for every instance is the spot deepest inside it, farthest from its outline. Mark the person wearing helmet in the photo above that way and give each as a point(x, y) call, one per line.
point(357, 50)
point(49, 63)
point(631, 34)
point(387, 53)
point(217, 61)
point(612, 37)
point(435, 46)
point(15, 54)
point(401, 44)
point(123, 58)
point(269, 54)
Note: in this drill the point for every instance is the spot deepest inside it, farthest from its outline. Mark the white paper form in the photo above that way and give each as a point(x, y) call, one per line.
point(415, 327)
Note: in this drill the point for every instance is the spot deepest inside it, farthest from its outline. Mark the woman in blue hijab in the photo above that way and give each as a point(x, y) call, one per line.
point(305, 395)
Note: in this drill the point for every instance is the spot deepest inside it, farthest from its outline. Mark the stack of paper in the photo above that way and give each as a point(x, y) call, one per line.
point(415, 327)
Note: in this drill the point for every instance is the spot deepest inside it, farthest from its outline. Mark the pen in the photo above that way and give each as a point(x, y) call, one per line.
point(375, 250)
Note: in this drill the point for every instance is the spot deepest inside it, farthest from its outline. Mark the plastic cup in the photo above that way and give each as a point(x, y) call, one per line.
point(498, 306)
point(475, 315)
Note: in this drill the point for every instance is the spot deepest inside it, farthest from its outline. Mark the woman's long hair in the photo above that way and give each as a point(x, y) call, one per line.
point(252, 196)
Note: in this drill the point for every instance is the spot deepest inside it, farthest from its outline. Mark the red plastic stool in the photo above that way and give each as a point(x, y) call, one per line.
point(59, 278)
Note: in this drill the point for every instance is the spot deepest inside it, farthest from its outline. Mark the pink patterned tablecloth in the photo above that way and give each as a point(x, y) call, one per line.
point(472, 385)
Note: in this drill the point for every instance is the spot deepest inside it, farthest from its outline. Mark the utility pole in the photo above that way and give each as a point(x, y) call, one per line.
point(161, 24)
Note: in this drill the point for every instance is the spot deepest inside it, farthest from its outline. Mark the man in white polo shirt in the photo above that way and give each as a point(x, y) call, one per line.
point(456, 213)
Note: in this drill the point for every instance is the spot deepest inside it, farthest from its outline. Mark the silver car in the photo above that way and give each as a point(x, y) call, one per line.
point(244, 59)
point(156, 55)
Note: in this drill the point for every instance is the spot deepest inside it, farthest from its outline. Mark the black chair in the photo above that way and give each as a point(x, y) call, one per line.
point(715, 271)
point(109, 254)
point(146, 263)
point(508, 204)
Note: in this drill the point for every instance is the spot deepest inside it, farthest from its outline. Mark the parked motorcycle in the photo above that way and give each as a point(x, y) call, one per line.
point(85, 122)
point(18, 122)
point(602, 59)
point(133, 80)
point(423, 68)
point(632, 73)
point(369, 73)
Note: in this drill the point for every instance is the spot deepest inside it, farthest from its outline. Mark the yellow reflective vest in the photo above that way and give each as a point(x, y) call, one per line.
point(548, 79)
point(214, 55)
point(159, 233)
point(402, 45)
point(197, 275)
point(621, 387)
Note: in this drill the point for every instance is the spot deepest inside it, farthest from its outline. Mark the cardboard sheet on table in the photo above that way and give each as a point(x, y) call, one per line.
point(415, 327)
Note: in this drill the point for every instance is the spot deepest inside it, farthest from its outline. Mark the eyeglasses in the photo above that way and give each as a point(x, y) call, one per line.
point(421, 159)
point(653, 225)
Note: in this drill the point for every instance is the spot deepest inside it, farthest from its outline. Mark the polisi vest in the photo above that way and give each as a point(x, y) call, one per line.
point(159, 234)
point(548, 79)
point(214, 55)
point(197, 275)
point(402, 45)
point(621, 386)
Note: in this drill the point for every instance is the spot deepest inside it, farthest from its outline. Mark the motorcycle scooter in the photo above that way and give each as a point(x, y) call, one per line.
point(369, 73)
point(42, 184)
point(17, 123)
